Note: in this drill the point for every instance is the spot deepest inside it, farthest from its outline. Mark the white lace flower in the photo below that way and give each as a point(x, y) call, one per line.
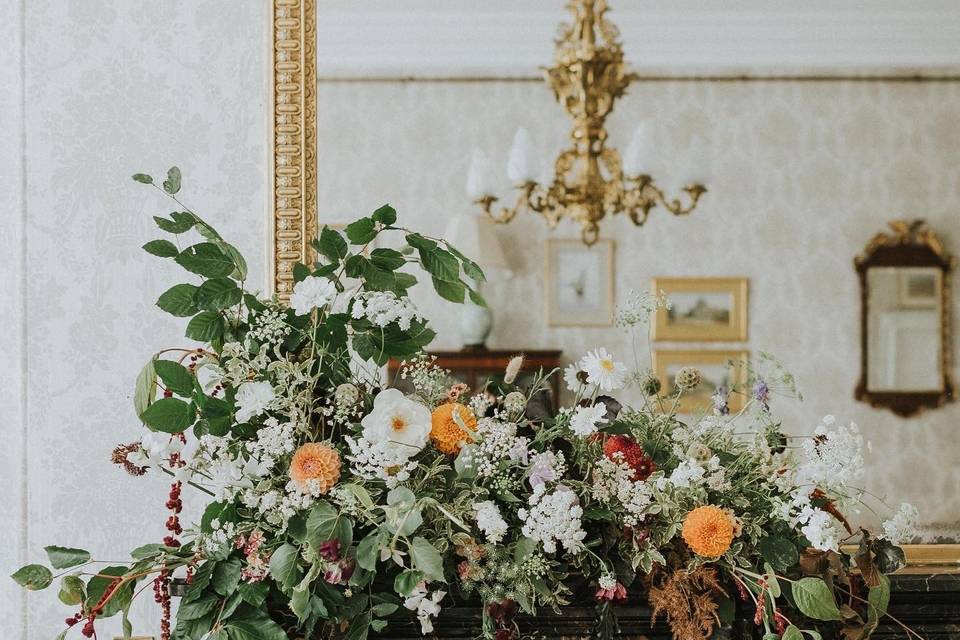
point(901, 527)
point(820, 528)
point(490, 521)
point(385, 461)
point(398, 419)
point(603, 371)
point(253, 398)
point(383, 307)
point(311, 293)
point(554, 518)
point(585, 420)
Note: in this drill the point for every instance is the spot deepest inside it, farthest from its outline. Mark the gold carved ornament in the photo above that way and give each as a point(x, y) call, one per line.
point(588, 76)
point(294, 138)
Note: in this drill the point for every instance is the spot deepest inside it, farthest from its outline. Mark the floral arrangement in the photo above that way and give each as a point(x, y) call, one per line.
point(339, 502)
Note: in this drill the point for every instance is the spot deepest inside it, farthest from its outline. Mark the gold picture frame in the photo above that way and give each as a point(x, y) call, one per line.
point(702, 309)
point(710, 362)
point(292, 147)
point(579, 283)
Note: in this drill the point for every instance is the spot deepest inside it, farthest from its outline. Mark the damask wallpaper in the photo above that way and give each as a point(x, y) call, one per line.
point(803, 173)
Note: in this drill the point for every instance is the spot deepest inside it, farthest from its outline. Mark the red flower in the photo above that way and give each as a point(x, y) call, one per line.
point(617, 594)
point(330, 550)
point(630, 452)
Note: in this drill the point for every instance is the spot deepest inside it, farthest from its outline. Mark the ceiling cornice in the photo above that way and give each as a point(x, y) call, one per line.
point(513, 38)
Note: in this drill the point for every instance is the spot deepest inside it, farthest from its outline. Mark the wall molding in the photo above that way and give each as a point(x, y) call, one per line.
point(416, 39)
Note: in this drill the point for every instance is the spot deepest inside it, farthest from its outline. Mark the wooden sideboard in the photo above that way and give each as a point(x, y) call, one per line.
point(475, 367)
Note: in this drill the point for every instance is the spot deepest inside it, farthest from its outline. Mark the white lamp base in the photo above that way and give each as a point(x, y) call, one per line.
point(475, 324)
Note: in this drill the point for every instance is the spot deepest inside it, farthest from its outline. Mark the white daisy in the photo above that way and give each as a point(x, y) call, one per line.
point(603, 371)
point(571, 375)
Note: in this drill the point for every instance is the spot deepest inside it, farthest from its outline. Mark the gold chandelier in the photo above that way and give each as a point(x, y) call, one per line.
point(590, 179)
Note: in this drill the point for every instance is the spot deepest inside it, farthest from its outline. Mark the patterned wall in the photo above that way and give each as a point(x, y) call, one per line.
point(803, 174)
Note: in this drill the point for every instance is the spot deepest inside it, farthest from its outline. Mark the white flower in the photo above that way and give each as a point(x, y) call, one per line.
point(603, 371)
point(832, 460)
point(902, 526)
point(383, 307)
point(253, 398)
point(385, 461)
point(554, 517)
point(398, 419)
point(574, 384)
point(613, 484)
point(426, 607)
point(586, 419)
point(311, 293)
point(490, 521)
point(820, 528)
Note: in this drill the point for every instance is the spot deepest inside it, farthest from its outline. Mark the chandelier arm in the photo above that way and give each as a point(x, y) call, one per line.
point(527, 199)
point(674, 205)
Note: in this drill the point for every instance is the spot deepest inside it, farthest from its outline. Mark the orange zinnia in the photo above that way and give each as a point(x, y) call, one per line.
point(315, 461)
point(708, 531)
point(444, 430)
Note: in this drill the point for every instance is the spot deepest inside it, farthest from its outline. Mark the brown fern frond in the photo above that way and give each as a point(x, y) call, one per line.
point(687, 599)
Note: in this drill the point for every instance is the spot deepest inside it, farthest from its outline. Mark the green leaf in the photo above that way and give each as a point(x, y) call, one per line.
point(331, 245)
point(283, 566)
point(476, 298)
point(99, 584)
point(145, 389)
point(300, 272)
point(255, 629)
point(72, 591)
point(205, 259)
point(326, 523)
point(878, 599)
point(217, 294)
point(33, 577)
point(175, 377)
point(362, 231)
point(417, 241)
point(406, 582)
point(792, 633)
point(426, 558)
point(887, 556)
point(226, 576)
point(172, 184)
point(813, 598)
point(143, 178)
point(161, 248)
point(253, 593)
point(206, 326)
point(180, 223)
point(524, 549)
point(169, 415)
point(198, 608)
point(779, 552)
point(368, 551)
point(222, 511)
point(470, 268)
point(385, 215)
point(452, 291)
point(387, 259)
point(65, 557)
point(384, 609)
point(442, 265)
point(178, 300)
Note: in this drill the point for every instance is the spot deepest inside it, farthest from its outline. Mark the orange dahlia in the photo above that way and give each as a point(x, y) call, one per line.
point(315, 461)
point(708, 531)
point(446, 434)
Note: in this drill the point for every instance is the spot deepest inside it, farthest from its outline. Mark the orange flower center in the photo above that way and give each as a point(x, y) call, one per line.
point(398, 423)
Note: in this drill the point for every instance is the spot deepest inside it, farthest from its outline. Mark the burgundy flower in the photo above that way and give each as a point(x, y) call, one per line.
point(330, 550)
point(617, 594)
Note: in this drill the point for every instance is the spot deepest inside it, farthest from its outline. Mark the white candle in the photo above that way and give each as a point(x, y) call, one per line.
point(640, 153)
point(520, 167)
point(478, 176)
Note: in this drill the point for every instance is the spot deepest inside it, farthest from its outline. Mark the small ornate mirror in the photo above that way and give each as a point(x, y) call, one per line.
point(905, 320)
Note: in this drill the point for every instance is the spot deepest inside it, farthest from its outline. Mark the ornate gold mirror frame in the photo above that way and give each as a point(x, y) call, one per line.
point(293, 179)
point(293, 144)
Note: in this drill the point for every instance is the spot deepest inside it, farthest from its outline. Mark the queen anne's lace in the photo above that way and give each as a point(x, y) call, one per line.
point(554, 518)
point(383, 307)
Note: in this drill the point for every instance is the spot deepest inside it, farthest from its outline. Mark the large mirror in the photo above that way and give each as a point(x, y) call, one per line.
point(905, 318)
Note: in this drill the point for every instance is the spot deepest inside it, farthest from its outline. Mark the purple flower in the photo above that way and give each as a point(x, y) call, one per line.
point(761, 393)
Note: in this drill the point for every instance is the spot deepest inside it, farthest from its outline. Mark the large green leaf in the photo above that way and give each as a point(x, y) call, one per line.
point(452, 291)
point(441, 264)
point(426, 558)
point(226, 576)
point(283, 566)
point(368, 551)
point(33, 577)
point(217, 294)
point(362, 231)
point(385, 215)
point(206, 326)
point(161, 248)
point(814, 599)
point(255, 626)
point(99, 584)
point(178, 300)
point(407, 581)
point(331, 245)
point(326, 523)
point(72, 591)
point(172, 184)
point(198, 608)
point(145, 389)
point(175, 377)
point(65, 557)
point(878, 599)
point(169, 415)
point(206, 259)
point(387, 259)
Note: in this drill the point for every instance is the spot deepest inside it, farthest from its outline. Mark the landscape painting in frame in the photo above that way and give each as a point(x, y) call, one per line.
point(702, 309)
point(579, 283)
point(725, 368)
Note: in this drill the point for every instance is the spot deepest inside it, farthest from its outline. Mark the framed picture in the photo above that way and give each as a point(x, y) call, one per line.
point(919, 287)
point(719, 368)
point(702, 309)
point(579, 283)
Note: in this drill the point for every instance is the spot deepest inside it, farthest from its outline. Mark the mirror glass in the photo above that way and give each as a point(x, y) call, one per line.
point(903, 329)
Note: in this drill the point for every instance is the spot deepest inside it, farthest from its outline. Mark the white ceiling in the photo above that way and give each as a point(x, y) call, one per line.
point(512, 38)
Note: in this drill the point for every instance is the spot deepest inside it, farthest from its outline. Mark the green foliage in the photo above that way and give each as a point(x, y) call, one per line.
point(878, 599)
point(172, 184)
point(426, 559)
point(178, 300)
point(815, 600)
point(169, 415)
point(33, 577)
point(175, 377)
point(161, 248)
point(65, 557)
point(781, 553)
point(205, 259)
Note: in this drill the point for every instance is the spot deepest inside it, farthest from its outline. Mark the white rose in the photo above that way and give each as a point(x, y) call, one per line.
point(398, 419)
point(311, 293)
point(253, 398)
